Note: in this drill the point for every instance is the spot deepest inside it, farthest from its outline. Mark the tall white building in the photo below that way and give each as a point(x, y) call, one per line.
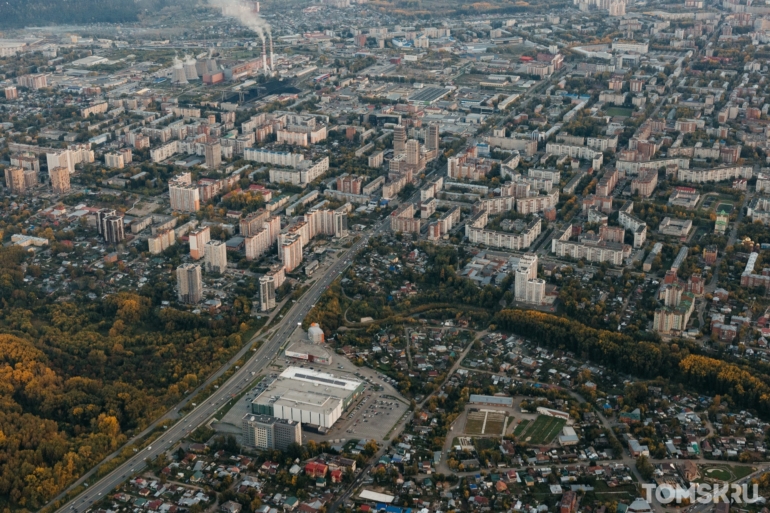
point(215, 256)
point(291, 251)
point(526, 271)
point(267, 432)
point(184, 196)
point(61, 158)
point(189, 283)
point(258, 244)
point(535, 291)
point(198, 240)
point(266, 293)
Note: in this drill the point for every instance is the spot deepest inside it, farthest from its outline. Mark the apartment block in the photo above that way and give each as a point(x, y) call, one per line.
point(477, 234)
point(60, 179)
point(184, 196)
point(61, 158)
point(258, 244)
point(198, 239)
point(189, 283)
point(526, 272)
point(537, 203)
point(110, 226)
point(290, 251)
point(268, 432)
point(213, 154)
point(350, 183)
point(34, 82)
point(266, 293)
point(215, 256)
point(161, 241)
point(589, 249)
point(114, 160)
point(402, 219)
point(376, 160)
point(445, 223)
point(253, 222)
point(645, 184)
point(607, 183)
point(19, 181)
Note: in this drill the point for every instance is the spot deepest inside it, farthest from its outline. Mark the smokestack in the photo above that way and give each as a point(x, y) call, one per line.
point(264, 57)
point(272, 62)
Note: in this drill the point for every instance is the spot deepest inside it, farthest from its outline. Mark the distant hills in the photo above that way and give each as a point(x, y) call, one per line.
point(32, 13)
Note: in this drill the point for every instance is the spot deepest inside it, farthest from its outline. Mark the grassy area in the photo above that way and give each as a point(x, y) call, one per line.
point(624, 112)
point(543, 430)
point(485, 443)
point(741, 471)
point(725, 473)
point(521, 427)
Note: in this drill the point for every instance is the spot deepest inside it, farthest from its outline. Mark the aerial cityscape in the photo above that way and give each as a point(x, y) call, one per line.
point(401, 256)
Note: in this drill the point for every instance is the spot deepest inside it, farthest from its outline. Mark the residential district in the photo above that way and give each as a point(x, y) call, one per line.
point(493, 258)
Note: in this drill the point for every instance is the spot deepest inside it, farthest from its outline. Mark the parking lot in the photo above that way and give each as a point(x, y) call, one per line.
point(377, 410)
point(231, 422)
point(371, 415)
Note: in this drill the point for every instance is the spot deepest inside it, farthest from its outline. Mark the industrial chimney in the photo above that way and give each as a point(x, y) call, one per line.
point(264, 56)
point(272, 62)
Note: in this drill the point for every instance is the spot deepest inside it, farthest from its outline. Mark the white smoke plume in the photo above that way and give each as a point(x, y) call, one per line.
point(242, 12)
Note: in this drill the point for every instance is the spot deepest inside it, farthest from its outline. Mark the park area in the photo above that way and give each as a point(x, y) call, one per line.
point(724, 473)
point(540, 431)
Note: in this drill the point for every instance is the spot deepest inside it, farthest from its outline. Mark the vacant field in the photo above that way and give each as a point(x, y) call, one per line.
point(543, 430)
point(473, 426)
point(495, 423)
point(475, 423)
point(621, 492)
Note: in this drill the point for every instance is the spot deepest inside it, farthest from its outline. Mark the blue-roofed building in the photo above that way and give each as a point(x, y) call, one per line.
point(492, 400)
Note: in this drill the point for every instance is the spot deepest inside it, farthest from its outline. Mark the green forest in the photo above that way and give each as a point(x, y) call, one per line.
point(746, 387)
point(76, 379)
point(34, 13)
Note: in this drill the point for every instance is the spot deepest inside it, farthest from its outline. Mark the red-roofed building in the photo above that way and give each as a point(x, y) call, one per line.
point(316, 469)
point(336, 476)
point(568, 502)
